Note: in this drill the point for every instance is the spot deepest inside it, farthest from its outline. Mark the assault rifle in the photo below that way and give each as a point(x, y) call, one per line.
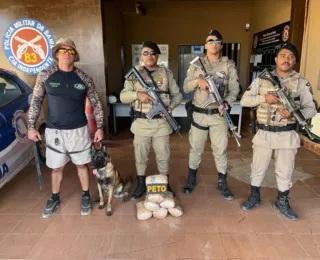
point(214, 96)
point(287, 101)
point(158, 107)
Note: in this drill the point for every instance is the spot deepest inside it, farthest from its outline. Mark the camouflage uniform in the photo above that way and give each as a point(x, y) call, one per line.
point(154, 131)
point(283, 140)
point(226, 79)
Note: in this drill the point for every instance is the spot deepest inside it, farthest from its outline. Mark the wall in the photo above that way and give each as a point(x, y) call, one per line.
point(186, 22)
point(268, 13)
point(113, 39)
point(310, 62)
point(78, 19)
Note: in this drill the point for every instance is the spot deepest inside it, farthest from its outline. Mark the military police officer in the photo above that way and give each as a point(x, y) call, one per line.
point(154, 131)
point(209, 119)
point(277, 128)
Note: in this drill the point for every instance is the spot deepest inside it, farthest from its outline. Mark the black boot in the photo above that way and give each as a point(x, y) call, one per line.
point(192, 182)
point(169, 188)
point(140, 189)
point(253, 200)
point(223, 187)
point(282, 204)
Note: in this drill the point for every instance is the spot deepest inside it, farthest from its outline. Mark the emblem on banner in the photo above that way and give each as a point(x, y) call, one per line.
point(27, 44)
point(285, 33)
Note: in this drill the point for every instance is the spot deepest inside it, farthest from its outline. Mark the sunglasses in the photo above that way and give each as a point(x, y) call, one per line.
point(146, 53)
point(211, 41)
point(70, 51)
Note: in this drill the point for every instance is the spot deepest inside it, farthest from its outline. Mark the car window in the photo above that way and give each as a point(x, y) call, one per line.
point(9, 91)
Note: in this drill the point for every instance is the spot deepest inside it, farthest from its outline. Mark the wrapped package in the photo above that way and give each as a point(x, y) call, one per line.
point(168, 201)
point(176, 211)
point(158, 198)
point(150, 205)
point(160, 213)
point(157, 179)
point(142, 212)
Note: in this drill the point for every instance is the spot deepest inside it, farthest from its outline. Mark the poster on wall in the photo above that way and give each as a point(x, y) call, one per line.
point(273, 36)
point(163, 57)
point(27, 45)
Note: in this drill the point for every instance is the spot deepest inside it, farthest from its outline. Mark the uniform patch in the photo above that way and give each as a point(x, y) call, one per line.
point(221, 74)
point(54, 84)
point(159, 81)
point(79, 86)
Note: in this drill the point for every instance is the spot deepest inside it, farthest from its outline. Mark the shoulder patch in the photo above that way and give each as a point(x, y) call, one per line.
point(310, 87)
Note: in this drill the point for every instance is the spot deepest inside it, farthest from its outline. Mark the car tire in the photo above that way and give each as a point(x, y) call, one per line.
point(41, 148)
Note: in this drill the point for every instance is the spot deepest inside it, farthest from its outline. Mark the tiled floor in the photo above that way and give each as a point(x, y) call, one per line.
point(211, 228)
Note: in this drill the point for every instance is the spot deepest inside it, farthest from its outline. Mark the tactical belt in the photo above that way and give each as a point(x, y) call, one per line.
point(271, 128)
point(144, 115)
point(207, 111)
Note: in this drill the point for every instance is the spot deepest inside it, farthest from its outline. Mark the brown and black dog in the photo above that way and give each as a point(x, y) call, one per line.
point(108, 178)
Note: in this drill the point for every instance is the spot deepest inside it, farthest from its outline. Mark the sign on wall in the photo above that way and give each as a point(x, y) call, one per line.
point(163, 57)
point(27, 44)
point(273, 36)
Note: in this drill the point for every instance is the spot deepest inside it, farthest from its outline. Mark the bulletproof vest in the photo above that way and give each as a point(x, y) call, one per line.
point(161, 79)
point(219, 70)
point(269, 114)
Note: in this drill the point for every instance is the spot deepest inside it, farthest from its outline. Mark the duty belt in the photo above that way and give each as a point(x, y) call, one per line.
point(207, 111)
point(272, 128)
point(144, 115)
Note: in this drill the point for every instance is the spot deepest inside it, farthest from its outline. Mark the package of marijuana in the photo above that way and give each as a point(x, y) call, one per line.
point(176, 211)
point(142, 212)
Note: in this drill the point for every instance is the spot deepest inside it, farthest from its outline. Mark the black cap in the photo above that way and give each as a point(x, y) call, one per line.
point(291, 48)
point(216, 33)
point(153, 46)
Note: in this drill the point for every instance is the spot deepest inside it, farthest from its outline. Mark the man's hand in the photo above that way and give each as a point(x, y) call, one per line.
point(272, 99)
point(34, 135)
point(163, 116)
point(285, 114)
point(144, 97)
point(220, 108)
point(203, 84)
point(98, 136)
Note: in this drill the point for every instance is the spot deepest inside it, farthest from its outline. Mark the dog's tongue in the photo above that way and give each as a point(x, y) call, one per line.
point(94, 171)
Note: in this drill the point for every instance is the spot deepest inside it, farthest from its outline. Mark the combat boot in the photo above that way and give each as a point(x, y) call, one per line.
point(282, 204)
point(253, 200)
point(223, 187)
point(140, 188)
point(192, 182)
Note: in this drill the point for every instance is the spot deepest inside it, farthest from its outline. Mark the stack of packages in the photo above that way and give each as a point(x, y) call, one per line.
point(158, 204)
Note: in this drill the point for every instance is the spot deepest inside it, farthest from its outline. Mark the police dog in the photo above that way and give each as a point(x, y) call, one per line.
point(108, 178)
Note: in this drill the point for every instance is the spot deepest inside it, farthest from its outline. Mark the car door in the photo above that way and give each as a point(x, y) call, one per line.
point(12, 99)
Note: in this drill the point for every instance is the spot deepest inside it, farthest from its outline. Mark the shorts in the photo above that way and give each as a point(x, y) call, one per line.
point(68, 141)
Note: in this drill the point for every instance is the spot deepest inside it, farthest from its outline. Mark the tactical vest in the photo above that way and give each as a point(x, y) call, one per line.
point(161, 79)
point(269, 114)
point(219, 70)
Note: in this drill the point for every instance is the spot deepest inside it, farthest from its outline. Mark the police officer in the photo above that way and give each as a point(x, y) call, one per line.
point(154, 131)
point(210, 119)
point(277, 128)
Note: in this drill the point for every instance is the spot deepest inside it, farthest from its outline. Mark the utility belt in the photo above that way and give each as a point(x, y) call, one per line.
point(137, 114)
point(190, 108)
point(207, 111)
point(271, 128)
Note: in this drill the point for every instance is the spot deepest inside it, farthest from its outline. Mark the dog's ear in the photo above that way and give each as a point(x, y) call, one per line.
point(104, 149)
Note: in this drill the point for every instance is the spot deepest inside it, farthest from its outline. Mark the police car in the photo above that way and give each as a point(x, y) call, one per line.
point(16, 149)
